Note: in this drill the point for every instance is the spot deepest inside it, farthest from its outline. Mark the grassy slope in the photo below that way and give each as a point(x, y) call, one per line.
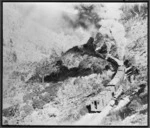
point(64, 105)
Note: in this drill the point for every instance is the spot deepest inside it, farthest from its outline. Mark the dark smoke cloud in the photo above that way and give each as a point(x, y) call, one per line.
point(85, 17)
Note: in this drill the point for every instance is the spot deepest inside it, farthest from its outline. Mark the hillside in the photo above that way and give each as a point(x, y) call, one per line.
point(50, 76)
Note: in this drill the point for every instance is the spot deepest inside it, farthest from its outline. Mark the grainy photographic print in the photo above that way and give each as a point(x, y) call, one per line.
point(75, 63)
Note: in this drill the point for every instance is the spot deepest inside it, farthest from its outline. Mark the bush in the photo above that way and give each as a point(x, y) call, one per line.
point(134, 10)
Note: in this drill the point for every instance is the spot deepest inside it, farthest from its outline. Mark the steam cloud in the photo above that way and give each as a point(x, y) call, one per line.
point(54, 24)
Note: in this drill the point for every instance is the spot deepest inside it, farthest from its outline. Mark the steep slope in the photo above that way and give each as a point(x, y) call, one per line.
point(57, 89)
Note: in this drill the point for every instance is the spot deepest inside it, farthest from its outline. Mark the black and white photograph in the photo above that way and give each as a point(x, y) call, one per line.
point(75, 64)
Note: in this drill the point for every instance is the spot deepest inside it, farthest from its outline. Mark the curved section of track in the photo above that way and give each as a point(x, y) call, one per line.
point(115, 87)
